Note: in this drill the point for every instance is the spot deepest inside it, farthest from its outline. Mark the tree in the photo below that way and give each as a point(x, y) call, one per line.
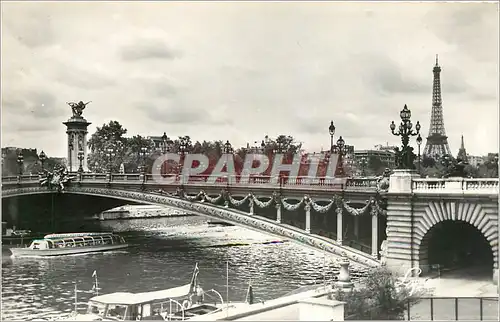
point(106, 138)
point(379, 297)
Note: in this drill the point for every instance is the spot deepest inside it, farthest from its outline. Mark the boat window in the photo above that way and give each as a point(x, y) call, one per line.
point(96, 308)
point(35, 245)
point(116, 312)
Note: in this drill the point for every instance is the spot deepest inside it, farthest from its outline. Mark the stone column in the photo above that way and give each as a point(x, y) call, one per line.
point(374, 234)
point(250, 202)
point(307, 207)
point(339, 211)
point(356, 227)
point(278, 213)
point(401, 254)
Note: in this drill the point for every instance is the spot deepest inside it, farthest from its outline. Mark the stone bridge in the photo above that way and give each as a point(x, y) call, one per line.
point(224, 200)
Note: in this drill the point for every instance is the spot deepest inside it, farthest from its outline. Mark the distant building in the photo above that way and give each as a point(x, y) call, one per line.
point(462, 154)
point(157, 141)
point(385, 153)
point(475, 160)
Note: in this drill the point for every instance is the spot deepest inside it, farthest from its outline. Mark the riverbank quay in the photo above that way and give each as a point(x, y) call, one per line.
point(140, 211)
point(310, 305)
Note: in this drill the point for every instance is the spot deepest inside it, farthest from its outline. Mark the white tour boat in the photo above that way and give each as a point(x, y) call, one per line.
point(174, 304)
point(70, 243)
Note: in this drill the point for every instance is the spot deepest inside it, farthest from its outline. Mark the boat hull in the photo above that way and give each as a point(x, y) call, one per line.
point(27, 252)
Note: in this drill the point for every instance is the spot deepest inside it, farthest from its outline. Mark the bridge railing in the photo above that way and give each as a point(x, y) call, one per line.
point(290, 182)
point(454, 185)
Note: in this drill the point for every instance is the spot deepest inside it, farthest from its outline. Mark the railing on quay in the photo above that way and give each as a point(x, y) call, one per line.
point(454, 308)
point(437, 309)
point(264, 181)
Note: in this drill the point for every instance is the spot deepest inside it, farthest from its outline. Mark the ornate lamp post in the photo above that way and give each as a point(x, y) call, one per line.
point(341, 149)
point(81, 156)
point(331, 129)
point(110, 153)
point(42, 157)
point(405, 157)
point(228, 148)
point(363, 162)
point(164, 139)
point(20, 162)
point(143, 154)
point(419, 142)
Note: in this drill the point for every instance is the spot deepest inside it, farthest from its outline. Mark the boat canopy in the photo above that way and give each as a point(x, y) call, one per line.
point(71, 235)
point(145, 297)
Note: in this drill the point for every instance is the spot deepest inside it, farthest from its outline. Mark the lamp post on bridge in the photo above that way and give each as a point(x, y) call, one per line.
point(419, 142)
point(341, 149)
point(143, 154)
point(228, 149)
point(166, 148)
point(81, 156)
point(331, 130)
point(20, 163)
point(42, 157)
point(110, 153)
point(405, 157)
point(363, 162)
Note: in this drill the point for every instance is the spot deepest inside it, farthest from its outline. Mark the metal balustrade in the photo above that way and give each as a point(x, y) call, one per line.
point(262, 181)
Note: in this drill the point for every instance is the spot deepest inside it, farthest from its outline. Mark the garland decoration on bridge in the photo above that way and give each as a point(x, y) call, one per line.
point(240, 202)
point(372, 205)
point(263, 204)
point(356, 212)
point(292, 207)
point(322, 209)
point(206, 197)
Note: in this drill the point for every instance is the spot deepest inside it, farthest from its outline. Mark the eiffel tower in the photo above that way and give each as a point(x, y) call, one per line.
point(437, 141)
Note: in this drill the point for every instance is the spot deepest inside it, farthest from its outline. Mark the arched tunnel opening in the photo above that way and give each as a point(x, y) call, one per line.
point(456, 248)
point(54, 212)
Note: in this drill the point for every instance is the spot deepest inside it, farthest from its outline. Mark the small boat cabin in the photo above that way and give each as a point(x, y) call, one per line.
point(75, 240)
point(157, 305)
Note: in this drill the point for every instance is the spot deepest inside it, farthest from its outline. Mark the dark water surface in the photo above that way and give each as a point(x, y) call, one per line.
point(163, 253)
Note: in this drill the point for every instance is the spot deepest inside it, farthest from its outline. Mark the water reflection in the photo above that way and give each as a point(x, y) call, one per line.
point(162, 255)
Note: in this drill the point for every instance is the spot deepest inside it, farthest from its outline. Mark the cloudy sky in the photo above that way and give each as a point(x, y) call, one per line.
point(239, 71)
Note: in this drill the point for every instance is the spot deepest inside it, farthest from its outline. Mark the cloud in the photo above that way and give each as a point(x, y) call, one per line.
point(144, 49)
point(32, 103)
point(240, 71)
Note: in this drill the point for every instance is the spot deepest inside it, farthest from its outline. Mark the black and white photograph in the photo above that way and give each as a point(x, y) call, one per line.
point(250, 160)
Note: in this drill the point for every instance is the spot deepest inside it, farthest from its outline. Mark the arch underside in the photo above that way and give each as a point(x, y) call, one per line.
point(233, 216)
point(470, 213)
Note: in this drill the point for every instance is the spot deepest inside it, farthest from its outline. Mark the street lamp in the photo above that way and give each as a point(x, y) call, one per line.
point(419, 142)
point(228, 148)
point(81, 156)
point(42, 157)
point(341, 149)
point(143, 154)
point(182, 146)
point(363, 164)
point(331, 129)
point(20, 162)
point(110, 153)
point(405, 157)
point(164, 139)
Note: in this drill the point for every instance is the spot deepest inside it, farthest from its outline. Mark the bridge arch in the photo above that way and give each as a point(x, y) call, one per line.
point(207, 209)
point(440, 214)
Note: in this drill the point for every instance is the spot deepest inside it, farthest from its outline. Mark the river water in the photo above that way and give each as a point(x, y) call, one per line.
point(163, 253)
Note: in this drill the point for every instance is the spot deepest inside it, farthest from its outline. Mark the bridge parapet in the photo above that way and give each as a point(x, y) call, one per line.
point(311, 183)
point(471, 186)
